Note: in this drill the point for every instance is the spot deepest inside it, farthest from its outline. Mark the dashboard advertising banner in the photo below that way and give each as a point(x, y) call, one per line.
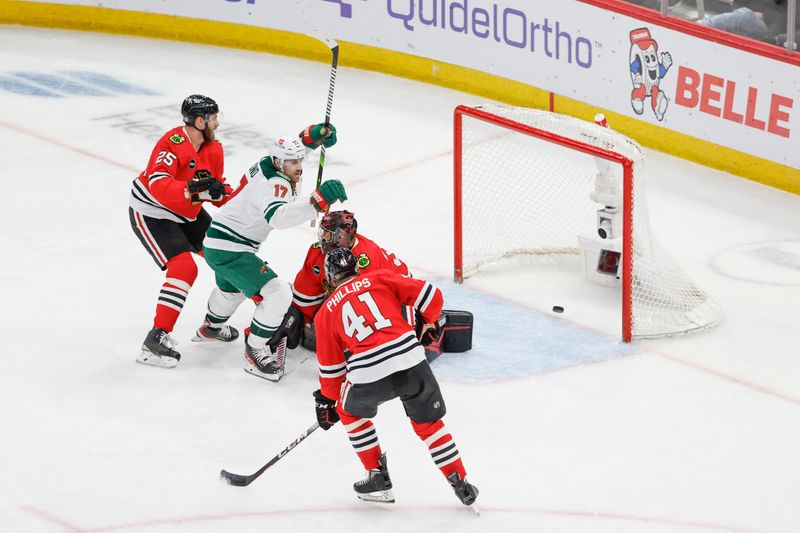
point(700, 88)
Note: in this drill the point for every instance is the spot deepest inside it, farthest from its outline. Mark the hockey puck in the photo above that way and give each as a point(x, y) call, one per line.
point(558, 309)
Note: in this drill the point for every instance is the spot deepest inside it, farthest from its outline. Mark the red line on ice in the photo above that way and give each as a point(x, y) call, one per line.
point(75, 149)
point(486, 512)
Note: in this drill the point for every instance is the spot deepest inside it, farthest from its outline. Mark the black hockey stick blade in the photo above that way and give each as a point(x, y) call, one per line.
point(239, 480)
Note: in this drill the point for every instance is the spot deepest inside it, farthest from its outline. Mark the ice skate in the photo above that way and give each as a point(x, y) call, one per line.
point(465, 491)
point(376, 485)
point(157, 350)
point(208, 333)
point(262, 363)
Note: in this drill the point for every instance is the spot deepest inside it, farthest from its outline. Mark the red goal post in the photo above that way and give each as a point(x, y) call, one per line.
point(533, 148)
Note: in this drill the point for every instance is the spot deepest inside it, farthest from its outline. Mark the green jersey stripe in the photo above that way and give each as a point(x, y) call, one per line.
point(216, 233)
point(242, 238)
point(270, 211)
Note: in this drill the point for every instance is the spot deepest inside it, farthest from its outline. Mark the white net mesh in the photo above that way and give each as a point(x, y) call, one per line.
point(526, 199)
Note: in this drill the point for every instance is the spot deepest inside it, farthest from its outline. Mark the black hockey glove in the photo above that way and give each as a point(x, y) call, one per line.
point(430, 333)
point(203, 187)
point(291, 328)
point(326, 410)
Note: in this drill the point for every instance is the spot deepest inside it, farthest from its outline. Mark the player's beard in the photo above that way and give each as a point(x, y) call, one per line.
point(208, 134)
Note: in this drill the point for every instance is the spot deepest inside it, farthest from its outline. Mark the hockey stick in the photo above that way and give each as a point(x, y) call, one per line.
point(334, 46)
point(240, 480)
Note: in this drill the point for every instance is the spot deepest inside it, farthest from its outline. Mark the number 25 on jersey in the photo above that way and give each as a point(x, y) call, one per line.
point(166, 157)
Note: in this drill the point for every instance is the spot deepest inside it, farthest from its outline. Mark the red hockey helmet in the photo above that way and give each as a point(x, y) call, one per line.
point(337, 229)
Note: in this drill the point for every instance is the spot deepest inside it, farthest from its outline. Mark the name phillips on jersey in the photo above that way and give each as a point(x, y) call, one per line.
point(350, 288)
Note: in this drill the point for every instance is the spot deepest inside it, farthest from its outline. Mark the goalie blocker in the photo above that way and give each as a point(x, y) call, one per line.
point(454, 334)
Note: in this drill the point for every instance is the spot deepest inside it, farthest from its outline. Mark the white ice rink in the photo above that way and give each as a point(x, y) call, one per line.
point(562, 427)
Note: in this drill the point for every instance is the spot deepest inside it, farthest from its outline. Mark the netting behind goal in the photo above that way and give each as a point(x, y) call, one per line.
point(523, 179)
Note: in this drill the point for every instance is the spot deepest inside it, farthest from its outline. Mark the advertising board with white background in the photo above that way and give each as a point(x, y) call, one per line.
point(723, 95)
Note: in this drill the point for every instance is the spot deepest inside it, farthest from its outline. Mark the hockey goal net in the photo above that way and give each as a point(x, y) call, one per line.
point(523, 185)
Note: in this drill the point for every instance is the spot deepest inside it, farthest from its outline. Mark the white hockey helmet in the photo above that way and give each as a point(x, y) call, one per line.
point(286, 147)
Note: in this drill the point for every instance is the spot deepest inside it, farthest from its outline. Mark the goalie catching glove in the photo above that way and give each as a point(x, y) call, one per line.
point(203, 187)
point(328, 192)
point(326, 410)
point(319, 134)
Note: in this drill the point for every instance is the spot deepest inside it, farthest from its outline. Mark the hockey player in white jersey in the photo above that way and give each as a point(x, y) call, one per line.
point(269, 200)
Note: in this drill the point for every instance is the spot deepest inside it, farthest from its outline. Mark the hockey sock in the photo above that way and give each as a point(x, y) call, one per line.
point(268, 315)
point(259, 334)
point(181, 273)
point(363, 438)
point(221, 305)
point(441, 446)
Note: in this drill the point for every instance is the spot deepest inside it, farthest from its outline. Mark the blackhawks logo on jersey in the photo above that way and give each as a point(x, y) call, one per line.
point(177, 139)
point(315, 245)
point(363, 261)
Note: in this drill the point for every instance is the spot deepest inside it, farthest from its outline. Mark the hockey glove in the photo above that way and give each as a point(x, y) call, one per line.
point(326, 410)
point(317, 134)
point(291, 328)
point(430, 333)
point(328, 192)
point(203, 187)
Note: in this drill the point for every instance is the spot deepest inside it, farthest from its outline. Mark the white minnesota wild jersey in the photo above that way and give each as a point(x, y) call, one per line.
point(267, 201)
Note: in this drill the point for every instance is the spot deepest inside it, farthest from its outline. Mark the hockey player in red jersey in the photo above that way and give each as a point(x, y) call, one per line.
point(337, 229)
point(369, 354)
point(166, 213)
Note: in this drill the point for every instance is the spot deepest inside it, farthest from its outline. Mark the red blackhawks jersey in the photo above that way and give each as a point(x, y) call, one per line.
point(309, 291)
point(361, 333)
point(160, 190)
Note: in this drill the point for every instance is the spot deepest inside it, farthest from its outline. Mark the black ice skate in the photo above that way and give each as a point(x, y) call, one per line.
point(465, 491)
point(376, 485)
point(208, 333)
point(157, 350)
point(262, 363)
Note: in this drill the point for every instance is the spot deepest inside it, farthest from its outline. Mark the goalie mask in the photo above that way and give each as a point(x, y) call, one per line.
point(340, 264)
point(286, 148)
point(337, 229)
point(198, 105)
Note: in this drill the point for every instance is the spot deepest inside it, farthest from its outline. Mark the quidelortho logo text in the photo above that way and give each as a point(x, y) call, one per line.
point(506, 25)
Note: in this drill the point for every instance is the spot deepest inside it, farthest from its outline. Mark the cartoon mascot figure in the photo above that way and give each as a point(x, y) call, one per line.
point(646, 73)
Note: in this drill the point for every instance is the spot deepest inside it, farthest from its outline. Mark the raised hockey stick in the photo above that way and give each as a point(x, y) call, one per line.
point(240, 480)
point(334, 46)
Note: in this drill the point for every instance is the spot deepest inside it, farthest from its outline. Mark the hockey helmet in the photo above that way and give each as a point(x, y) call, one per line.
point(337, 229)
point(198, 105)
point(286, 148)
point(340, 263)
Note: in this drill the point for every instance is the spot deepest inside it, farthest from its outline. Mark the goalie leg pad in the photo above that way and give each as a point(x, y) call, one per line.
point(457, 331)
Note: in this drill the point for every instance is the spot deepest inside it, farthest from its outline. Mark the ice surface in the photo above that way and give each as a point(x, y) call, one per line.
point(561, 426)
